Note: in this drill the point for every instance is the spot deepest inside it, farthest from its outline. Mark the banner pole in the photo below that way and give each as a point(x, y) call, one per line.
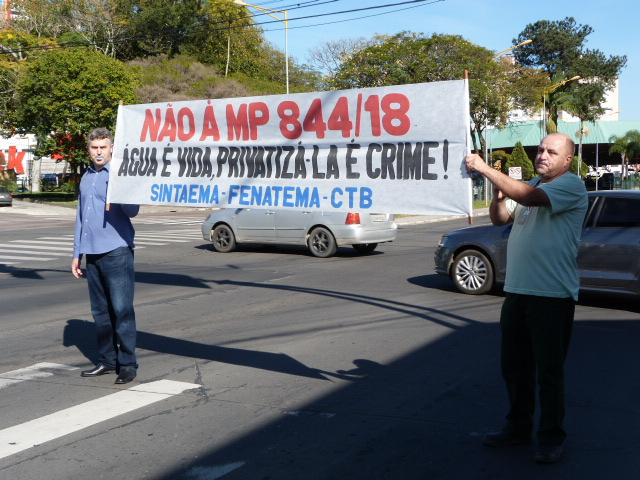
point(468, 131)
point(108, 206)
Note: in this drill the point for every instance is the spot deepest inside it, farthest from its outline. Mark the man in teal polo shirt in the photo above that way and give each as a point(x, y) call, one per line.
point(541, 285)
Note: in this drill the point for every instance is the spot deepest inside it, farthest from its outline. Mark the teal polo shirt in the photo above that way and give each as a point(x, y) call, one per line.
point(543, 244)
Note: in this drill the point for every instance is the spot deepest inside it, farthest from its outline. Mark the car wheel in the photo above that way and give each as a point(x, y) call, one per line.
point(321, 242)
point(223, 239)
point(365, 247)
point(472, 273)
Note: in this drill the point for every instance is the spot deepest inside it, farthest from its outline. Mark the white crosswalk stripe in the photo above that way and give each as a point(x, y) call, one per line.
point(45, 249)
point(167, 221)
point(15, 246)
point(69, 420)
point(39, 370)
point(23, 258)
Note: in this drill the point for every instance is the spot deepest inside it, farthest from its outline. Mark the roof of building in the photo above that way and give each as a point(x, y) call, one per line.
point(531, 132)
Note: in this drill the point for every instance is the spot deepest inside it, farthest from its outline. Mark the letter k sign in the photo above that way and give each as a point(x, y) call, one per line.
point(15, 160)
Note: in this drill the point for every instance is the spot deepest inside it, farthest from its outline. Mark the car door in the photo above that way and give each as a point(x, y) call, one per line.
point(255, 225)
point(292, 225)
point(609, 255)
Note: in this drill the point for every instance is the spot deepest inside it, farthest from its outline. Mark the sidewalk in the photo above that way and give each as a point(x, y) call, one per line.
point(420, 219)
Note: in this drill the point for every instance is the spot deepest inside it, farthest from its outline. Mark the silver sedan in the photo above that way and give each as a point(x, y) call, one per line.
point(321, 232)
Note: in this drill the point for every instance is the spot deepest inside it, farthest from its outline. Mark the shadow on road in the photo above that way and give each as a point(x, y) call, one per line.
point(81, 334)
point(422, 416)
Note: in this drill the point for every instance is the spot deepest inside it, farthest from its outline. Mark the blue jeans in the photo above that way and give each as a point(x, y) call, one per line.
point(111, 279)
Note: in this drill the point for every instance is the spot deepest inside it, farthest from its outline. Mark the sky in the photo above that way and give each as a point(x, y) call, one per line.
point(490, 23)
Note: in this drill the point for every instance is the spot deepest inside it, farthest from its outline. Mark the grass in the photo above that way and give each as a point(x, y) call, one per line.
point(480, 204)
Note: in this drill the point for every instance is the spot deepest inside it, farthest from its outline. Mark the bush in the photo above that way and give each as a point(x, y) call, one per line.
point(69, 187)
point(519, 158)
point(499, 159)
point(12, 185)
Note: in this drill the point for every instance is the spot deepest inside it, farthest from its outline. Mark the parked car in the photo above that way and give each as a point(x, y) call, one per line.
point(322, 232)
point(608, 257)
point(5, 196)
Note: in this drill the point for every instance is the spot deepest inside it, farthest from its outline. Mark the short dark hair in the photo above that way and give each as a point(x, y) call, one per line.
point(99, 134)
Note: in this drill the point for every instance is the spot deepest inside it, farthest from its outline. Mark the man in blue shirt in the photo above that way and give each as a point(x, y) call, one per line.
point(541, 285)
point(104, 236)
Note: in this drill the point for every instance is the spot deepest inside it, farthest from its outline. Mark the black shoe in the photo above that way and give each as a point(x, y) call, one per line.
point(126, 375)
point(548, 453)
point(97, 371)
point(504, 438)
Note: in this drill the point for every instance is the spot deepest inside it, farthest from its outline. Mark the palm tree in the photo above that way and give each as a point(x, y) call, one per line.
point(627, 146)
point(582, 104)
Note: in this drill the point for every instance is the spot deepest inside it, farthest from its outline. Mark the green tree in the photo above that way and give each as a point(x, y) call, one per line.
point(231, 41)
point(329, 56)
point(627, 146)
point(584, 104)
point(499, 159)
point(16, 49)
point(43, 18)
point(215, 33)
point(578, 168)
point(64, 94)
point(98, 23)
point(228, 39)
point(157, 27)
point(519, 158)
point(413, 58)
point(558, 50)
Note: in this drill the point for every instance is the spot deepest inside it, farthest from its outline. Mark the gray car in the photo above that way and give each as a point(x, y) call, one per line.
point(608, 257)
point(321, 232)
point(5, 196)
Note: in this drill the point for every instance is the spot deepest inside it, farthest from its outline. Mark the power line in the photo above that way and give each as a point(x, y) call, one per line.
point(221, 26)
point(361, 17)
point(353, 10)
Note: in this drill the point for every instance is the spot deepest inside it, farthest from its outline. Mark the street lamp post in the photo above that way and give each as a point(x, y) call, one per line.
point(271, 12)
point(504, 52)
point(486, 121)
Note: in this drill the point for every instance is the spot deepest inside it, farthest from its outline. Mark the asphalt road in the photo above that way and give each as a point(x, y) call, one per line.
point(280, 365)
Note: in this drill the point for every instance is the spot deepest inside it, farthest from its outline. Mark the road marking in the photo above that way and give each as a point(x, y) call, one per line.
point(39, 370)
point(165, 221)
point(138, 242)
point(173, 234)
point(50, 427)
point(161, 238)
point(66, 248)
point(46, 241)
point(39, 259)
point(55, 247)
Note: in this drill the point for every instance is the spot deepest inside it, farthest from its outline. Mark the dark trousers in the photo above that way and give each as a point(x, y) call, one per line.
point(111, 279)
point(536, 332)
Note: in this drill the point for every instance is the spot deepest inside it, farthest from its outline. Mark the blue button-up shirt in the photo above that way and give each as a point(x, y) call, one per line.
point(99, 230)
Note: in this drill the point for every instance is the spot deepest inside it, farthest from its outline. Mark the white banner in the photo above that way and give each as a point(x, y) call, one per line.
point(397, 149)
